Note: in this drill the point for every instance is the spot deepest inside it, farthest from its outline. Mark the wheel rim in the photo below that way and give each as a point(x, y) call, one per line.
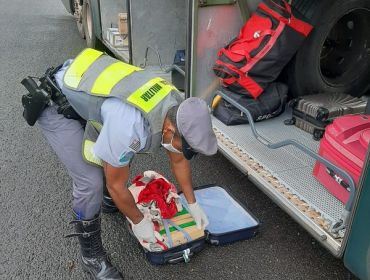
point(345, 48)
point(88, 20)
point(77, 11)
point(78, 16)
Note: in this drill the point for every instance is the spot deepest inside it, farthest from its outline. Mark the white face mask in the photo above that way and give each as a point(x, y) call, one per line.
point(169, 146)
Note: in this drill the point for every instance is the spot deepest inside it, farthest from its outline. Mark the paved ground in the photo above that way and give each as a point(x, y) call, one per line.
point(35, 193)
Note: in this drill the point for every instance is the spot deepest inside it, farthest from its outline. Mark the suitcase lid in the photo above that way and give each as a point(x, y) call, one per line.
point(350, 135)
point(229, 220)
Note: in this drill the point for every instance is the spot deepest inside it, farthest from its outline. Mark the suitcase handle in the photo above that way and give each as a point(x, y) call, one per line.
point(339, 225)
point(183, 256)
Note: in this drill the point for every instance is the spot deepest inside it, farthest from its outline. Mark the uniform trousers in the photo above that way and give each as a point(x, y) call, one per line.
point(65, 136)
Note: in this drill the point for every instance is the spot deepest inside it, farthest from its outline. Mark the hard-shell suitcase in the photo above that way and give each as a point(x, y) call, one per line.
point(229, 221)
point(312, 113)
point(345, 144)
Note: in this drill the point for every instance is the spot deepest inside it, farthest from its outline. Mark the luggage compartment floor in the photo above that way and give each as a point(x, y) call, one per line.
point(292, 167)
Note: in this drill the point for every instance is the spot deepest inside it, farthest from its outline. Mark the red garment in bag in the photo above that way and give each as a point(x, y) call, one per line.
point(345, 144)
point(158, 190)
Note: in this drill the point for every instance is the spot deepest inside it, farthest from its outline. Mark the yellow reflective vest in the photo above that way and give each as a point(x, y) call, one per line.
point(94, 76)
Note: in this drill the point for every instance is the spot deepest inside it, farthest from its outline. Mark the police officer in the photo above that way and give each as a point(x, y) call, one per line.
point(128, 110)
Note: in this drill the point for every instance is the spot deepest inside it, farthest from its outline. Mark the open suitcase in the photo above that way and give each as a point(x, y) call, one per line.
point(229, 221)
point(312, 113)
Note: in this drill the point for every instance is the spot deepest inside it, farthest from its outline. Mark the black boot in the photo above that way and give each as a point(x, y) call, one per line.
point(108, 205)
point(93, 256)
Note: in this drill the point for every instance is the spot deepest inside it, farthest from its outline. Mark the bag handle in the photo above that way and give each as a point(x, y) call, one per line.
point(257, 35)
point(275, 14)
point(243, 79)
point(242, 53)
point(287, 8)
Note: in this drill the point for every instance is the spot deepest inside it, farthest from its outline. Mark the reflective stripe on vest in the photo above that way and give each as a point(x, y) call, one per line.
point(79, 66)
point(150, 94)
point(88, 153)
point(97, 125)
point(107, 77)
point(92, 130)
point(111, 76)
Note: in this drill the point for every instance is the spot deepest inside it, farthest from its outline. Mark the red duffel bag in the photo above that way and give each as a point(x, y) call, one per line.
point(266, 43)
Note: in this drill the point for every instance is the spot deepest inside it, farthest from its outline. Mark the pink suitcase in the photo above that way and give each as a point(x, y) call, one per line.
point(345, 144)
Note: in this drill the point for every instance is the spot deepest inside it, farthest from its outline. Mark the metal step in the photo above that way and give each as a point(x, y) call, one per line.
point(121, 53)
point(284, 174)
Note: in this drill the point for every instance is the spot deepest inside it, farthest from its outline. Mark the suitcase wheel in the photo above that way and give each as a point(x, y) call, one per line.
point(318, 134)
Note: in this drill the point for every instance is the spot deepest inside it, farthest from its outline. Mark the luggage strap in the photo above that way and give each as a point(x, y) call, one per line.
point(299, 25)
point(166, 223)
point(244, 80)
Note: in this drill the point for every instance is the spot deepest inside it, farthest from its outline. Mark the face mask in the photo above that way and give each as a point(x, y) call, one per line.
point(169, 146)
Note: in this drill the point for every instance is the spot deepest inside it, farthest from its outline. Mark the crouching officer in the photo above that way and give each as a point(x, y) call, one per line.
point(126, 110)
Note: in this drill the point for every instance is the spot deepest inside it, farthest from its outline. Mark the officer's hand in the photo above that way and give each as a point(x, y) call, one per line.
point(144, 230)
point(199, 216)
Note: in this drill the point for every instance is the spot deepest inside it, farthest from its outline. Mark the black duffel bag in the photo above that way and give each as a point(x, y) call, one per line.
point(270, 104)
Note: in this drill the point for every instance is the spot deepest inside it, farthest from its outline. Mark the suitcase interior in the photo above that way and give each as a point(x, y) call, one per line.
point(173, 255)
point(229, 220)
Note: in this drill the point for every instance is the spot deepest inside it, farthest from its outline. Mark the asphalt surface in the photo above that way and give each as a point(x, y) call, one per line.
point(35, 190)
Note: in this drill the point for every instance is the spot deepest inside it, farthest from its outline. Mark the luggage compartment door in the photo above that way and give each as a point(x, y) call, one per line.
point(357, 254)
point(212, 28)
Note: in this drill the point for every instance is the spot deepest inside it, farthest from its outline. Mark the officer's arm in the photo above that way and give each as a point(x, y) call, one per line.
point(182, 171)
point(117, 178)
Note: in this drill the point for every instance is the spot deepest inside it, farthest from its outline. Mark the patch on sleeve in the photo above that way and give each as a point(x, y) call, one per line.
point(135, 145)
point(125, 157)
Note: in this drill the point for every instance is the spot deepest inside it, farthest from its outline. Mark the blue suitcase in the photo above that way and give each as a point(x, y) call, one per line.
point(229, 221)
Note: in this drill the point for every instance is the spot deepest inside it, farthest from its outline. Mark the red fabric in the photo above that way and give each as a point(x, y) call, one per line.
point(157, 190)
point(245, 81)
point(265, 49)
point(250, 38)
point(300, 26)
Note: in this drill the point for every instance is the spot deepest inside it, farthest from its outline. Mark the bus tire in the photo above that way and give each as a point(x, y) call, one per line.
point(88, 25)
point(77, 13)
point(335, 57)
